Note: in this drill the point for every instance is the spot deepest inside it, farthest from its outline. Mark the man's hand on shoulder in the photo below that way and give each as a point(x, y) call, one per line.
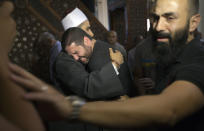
point(116, 57)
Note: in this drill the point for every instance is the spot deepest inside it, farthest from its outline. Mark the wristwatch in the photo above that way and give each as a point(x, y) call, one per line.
point(77, 103)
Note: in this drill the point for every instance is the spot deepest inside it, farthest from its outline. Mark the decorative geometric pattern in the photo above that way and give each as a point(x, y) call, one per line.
point(28, 30)
point(62, 6)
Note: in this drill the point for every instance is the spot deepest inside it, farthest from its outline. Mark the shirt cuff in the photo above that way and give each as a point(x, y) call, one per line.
point(116, 70)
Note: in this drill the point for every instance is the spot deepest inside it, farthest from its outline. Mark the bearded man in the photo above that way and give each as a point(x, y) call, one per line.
point(179, 104)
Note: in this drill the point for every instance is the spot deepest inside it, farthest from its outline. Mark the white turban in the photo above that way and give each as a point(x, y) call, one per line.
point(73, 19)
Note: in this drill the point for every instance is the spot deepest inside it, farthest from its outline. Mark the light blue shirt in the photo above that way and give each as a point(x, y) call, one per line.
point(54, 51)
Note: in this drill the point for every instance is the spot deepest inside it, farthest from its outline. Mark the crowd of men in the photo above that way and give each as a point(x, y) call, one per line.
point(92, 83)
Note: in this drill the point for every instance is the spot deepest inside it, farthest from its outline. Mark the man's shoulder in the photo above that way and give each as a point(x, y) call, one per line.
point(193, 53)
point(101, 46)
point(65, 60)
point(102, 43)
point(190, 67)
point(63, 56)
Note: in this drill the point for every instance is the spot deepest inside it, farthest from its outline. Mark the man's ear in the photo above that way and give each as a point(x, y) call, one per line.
point(87, 41)
point(194, 22)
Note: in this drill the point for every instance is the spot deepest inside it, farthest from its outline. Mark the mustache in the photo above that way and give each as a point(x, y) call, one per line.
point(162, 35)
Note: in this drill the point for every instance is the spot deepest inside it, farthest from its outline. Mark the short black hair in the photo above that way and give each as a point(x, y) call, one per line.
point(75, 35)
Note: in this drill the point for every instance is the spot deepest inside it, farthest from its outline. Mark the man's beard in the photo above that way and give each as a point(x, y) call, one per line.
point(167, 53)
point(87, 55)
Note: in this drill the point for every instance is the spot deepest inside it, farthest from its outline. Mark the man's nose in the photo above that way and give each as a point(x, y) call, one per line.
point(160, 25)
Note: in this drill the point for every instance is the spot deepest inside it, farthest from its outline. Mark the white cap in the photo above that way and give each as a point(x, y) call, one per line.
point(73, 19)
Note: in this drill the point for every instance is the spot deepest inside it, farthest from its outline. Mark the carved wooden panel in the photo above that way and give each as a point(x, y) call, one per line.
point(28, 29)
point(62, 6)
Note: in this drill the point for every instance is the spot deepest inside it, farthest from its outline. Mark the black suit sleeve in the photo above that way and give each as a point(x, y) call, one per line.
point(101, 84)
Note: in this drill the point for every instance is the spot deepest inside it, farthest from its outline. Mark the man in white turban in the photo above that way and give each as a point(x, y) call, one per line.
point(77, 18)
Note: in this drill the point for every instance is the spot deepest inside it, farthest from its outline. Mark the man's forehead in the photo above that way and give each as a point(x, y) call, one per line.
point(170, 6)
point(72, 46)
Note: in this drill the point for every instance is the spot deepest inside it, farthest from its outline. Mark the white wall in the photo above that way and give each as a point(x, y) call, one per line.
point(201, 27)
point(101, 12)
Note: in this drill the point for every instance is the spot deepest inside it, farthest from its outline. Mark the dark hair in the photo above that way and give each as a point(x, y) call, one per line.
point(75, 35)
point(193, 7)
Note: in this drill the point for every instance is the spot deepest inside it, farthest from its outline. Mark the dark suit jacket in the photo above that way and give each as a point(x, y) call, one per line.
point(95, 81)
point(101, 57)
point(94, 84)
